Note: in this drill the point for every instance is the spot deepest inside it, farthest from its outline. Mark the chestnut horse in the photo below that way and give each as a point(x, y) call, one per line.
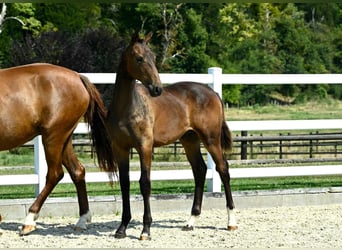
point(48, 100)
point(143, 116)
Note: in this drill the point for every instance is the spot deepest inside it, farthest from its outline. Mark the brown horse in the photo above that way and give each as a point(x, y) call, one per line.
point(190, 112)
point(48, 100)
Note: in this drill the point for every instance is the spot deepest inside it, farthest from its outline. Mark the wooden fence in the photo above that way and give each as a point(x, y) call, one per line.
point(215, 79)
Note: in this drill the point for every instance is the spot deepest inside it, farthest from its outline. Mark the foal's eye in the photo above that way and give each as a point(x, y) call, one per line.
point(140, 59)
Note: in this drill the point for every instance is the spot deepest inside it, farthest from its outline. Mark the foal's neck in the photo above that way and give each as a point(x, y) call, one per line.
point(124, 91)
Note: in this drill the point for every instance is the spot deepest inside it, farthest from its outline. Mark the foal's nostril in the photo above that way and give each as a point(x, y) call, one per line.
point(158, 90)
point(155, 90)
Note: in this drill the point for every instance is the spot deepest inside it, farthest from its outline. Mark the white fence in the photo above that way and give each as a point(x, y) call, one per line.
point(215, 79)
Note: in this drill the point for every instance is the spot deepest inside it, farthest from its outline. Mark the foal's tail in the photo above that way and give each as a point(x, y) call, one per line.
point(96, 117)
point(226, 135)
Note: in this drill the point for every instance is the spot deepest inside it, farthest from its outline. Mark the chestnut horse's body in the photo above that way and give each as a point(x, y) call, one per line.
point(48, 100)
point(143, 117)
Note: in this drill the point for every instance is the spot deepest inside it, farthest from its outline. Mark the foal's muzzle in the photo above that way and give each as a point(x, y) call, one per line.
point(155, 90)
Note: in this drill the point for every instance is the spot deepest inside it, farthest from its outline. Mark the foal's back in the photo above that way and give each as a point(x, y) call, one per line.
point(185, 106)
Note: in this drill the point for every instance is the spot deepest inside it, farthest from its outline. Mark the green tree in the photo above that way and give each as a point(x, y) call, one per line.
point(68, 17)
point(188, 37)
point(190, 55)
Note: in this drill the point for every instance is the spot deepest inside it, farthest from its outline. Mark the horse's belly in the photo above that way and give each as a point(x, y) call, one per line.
point(16, 128)
point(9, 144)
point(14, 138)
point(162, 138)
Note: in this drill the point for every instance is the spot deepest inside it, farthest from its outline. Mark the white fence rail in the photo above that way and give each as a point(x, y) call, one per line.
point(215, 79)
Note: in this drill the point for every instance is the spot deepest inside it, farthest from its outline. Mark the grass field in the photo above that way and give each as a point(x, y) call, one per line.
point(327, 109)
point(324, 109)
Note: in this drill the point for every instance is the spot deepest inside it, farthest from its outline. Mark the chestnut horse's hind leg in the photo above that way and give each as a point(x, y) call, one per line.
point(53, 152)
point(191, 144)
point(77, 174)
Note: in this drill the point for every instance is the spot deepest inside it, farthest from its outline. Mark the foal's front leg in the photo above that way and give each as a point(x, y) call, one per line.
point(126, 208)
point(145, 189)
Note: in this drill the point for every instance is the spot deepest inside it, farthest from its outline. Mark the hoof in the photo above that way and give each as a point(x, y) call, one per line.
point(232, 228)
point(120, 235)
point(27, 229)
point(79, 229)
point(188, 228)
point(145, 237)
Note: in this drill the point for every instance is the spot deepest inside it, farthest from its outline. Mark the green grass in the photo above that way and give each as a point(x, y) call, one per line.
point(328, 109)
point(324, 109)
point(20, 156)
point(176, 187)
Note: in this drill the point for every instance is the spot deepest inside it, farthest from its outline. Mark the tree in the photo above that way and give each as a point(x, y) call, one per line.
point(95, 50)
point(188, 37)
point(4, 18)
point(72, 18)
point(191, 49)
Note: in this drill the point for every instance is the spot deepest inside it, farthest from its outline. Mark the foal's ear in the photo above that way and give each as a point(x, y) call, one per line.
point(135, 37)
point(148, 37)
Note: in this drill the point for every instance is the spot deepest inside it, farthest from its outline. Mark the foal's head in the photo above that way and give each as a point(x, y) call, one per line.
point(140, 64)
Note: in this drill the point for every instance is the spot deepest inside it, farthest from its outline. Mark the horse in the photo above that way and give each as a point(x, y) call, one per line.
point(49, 100)
point(146, 115)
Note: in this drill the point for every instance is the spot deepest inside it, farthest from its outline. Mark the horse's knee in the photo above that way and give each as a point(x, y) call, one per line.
point(145, 185)
point(54, 177)
point(223, 171)
point(78, 174)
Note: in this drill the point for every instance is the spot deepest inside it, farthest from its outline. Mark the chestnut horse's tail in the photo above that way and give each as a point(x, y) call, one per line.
point(226, 135)
point(95, 117)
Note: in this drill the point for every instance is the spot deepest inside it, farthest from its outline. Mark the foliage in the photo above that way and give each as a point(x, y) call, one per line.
point(96, 50)
point(246, 38)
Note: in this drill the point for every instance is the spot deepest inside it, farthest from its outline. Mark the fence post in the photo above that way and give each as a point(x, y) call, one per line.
point(243, 146)
point(40, 165)
point(214, 185)
point(280, 147)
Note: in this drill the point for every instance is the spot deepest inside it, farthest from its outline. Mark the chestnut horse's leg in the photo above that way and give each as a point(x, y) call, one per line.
point(53, 154)
point(192, 147)
point(123, 164)
point(77, 174)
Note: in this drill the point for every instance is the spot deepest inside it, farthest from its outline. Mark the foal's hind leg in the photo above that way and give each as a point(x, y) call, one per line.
point(191, 144)
point(222, 167)
point(77, 174)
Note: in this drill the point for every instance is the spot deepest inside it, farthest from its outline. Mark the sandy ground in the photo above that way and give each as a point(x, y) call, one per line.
point(299, 226)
